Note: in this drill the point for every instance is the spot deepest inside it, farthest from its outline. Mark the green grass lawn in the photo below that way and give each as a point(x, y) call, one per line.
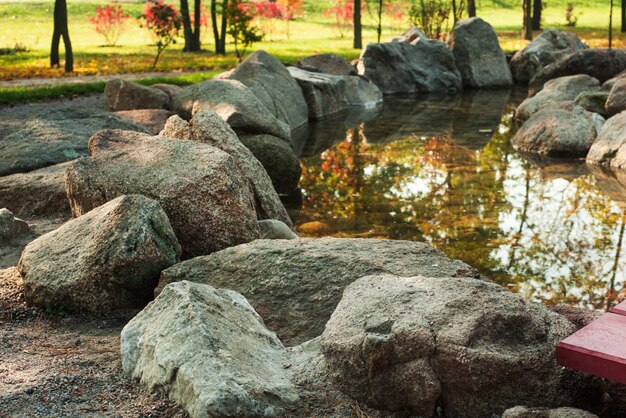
point(29, 23)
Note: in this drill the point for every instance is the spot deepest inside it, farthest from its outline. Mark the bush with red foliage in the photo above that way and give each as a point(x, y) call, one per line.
point(164, 22)
point(109, 22)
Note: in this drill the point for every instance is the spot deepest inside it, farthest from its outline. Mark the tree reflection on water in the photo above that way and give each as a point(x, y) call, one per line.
point(542, 228)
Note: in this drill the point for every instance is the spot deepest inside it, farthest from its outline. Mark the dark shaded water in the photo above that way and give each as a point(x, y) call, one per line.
point(442, 170)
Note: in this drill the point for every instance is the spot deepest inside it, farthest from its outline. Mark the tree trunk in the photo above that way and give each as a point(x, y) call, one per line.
point(471, 8)
point(527, 31)
point(358, 43)
point(537, 8)
point(379, 29)
point(454, 14)
point(623, 15)
point(611, 24)
point(220, 44)
point(223, 37)
point(192, 34)
point(61, 31)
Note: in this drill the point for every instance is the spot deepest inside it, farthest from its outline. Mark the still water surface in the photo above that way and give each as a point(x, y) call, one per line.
point(442, 170)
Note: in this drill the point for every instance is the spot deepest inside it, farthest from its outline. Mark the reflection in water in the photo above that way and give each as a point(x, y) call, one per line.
point(444, 172)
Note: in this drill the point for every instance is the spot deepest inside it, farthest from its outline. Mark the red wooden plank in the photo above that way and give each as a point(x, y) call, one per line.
point(598, 349)
point(620, 309)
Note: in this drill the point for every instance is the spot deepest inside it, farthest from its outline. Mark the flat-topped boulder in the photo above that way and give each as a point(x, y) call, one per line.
point(235, 103)
point(210, 352)
point(478, 55)
point(423, 66)
point(610, 146)
point(206, 196)
point(121, 94)
point(545, 49)
point(270, 82)
point(327, 63)
point(296, 284)
point(324, 93)
point(107, 259)
point(151, 119)
point(616, 102)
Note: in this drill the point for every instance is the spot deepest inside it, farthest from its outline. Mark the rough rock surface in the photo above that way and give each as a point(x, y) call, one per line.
point(327, 63)
point(126, 95)
point(273, 229)
point(565, 412)
point(545, 49)
point(324, 93)
point(207, 127)
point(278, 159)
point(107, 259)
point(593, 101)
point(478, 55)
point(296, 284)
point(235, 103)
point(51, 135)
point(36, 193)
point(402, 67)
point(170, 89)
point(151, 119)
point(271, 83)
point(602, 64)
point(616, 102)
point(361, 93)
point(558, 90)
point(210, 351)
point(608, 84)
point(410, 35)
point(10, 226)
point(558, 132)
point(609, 148)
point(466, 346)
point(201, 188)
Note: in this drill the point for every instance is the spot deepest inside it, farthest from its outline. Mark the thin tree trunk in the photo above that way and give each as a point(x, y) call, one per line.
point(527, 32)
point(61, 31)
point(611, 24)
point(623, 15)
point(537, 8)
point(223, 37)
point(358, 43)
point(454, 12)
point(192, 34)
point(379, 29)
point(471, 8)
point(196, 45)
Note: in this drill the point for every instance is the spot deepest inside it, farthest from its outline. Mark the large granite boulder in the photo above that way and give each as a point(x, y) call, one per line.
point(327, 63)
point(412, 34)
point(210, 352)
point(593, 101)
point(125, 95)
point(454, 347)
point(616, 102)
point(361, 93)
point(270, 82)
point(556, 91)
point(10, 226)
point(235, 103)
point(564, 412)
point(296, 284)
point(602, 64)
point(422, 66)
point(207, 127)
point(206, 196)
point(556, 132)
point(478, 55)
point(608, 84)
point(36, 193)
point(38, 135)
point(107, 259)
point(324, 93)
point(278, 159)
point(545, 49)
point(151, 119)
point(609, 148)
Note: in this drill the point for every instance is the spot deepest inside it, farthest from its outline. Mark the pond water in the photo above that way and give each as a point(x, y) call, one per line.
point(442, 170)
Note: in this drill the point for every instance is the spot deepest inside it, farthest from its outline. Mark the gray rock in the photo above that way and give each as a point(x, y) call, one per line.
point(324, 93)
point(411, 35)
point(273, 229)
point(555, 91)
point(170, 89)
point(608, 84)
point(616, 102)
point(235, 103)
point(36, 193)
point(207, 198)
point(361, 93)
point(467, 346)
point(609, 149)
point(48, 136)
point(10, 226)
point(403, 67)
point(545, 49)
point(151, 119)
point(278, 159)
point(107, 259)
point(296, 284)
point(478, 55)
point(210, 352)
point(602, 64)
point(327, 63)
point(565, 412)
point(556, 132)
point(207, 127)
point(125, 95)
point(271, 83)
point(610, 181)
point(593, 101)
